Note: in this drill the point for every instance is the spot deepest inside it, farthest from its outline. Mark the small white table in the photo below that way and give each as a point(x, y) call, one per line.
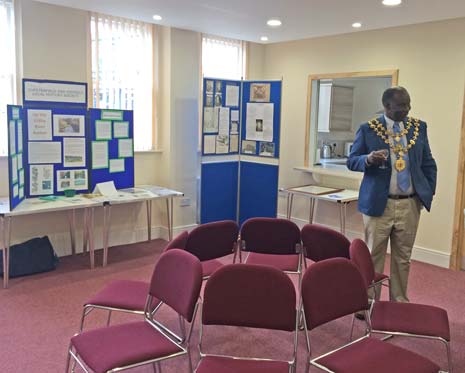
point(36, 206)
point(342, 197)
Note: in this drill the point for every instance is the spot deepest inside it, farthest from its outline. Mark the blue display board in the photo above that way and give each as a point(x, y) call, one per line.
point(256, 153)
point(112, 130)
point(55, 150)
point(219, 191)
point(258, 191)
point(221, 116)
point(16, 174)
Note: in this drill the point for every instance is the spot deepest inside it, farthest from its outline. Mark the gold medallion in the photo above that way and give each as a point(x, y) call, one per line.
point(397, 138)
point(400, 165)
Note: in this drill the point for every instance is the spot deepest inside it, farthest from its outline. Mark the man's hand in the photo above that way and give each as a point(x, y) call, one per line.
point(377, 157)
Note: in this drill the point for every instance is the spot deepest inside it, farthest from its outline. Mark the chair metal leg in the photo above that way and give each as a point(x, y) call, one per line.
point(352, 328)
point(68, 359)
point(84, 314)
point(189, 360)
point(449, 357)
point(109, 317)
point(182, 327)
point(307, 367)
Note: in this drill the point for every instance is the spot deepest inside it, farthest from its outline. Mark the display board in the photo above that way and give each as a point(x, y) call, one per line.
point(246, 115)
point(111, 147)
point(56, 145)
point(16, 175)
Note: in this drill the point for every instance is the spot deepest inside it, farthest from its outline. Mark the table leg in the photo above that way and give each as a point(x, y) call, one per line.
point(342, 216)
point(6, 236)
point(149, 219)
point(290, 205)
point(90, 236)
point(106, 231)
point(169, 214)
point(85, 231)
point(72, 230)
point(311, 210)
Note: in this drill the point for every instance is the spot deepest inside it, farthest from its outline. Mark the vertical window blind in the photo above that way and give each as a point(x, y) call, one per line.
point(123, 71)
point(7, 68)
point(223, 58)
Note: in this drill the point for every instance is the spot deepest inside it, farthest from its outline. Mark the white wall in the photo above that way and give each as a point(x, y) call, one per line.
point(432, 70)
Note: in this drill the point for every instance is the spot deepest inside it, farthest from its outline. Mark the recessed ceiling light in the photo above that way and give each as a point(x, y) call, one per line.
point(157, 17)
point(274, 22)
point(264, 38)
point(356, 25)
point(392, 2)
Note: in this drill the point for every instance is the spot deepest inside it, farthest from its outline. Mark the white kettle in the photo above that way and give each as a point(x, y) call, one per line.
point(327, 151)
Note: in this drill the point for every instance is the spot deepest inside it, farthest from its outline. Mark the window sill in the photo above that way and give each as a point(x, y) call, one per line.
point(154, 151)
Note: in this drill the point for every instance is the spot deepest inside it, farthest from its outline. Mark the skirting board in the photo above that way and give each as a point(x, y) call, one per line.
point(421, 254)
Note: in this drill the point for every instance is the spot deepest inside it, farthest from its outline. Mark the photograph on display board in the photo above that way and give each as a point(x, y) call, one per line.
point(41, 179)
point(218, 99)
point(68, 125)
point(249, 147)
point(266, 149)
point(209, 100)
point(209, 86)
point(222, 144)
point(234, 143)
point(218, 86)
point(260, 92)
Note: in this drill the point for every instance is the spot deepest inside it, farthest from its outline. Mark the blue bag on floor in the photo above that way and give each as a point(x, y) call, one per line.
point(33, 256)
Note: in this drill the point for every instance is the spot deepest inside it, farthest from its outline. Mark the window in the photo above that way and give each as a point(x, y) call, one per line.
point(7, 68)
point(123, 71)
point(223, 58)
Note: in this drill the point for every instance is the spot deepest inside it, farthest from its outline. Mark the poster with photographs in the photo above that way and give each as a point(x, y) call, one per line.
point(259, 122)
point(209, 86)
point(249, 147)
point(40, 179)
point(222, 144)
point(74, 152)
point(266, 149)
point(218, 99)
point(71, 179)
point(68, 125)
point(209, 100)
point(218, 86)
point(260, 92)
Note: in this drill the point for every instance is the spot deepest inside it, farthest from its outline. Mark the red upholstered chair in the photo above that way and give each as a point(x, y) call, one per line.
point(401, 319)
point(212, 241)
point(335, 288)
point(251, 296)
point(274, 242)
point(126, 295)
point(176, 282)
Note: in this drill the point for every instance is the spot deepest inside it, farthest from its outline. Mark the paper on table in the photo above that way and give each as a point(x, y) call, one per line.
point(209, 144)
point(117, 165)
point(106, 189)
point(125, 148)
point(20, 136)
point(232, 95)
point(120, 130)
point(12, 137)
point(74, 150)
point(41, 179)
point(103, 130)
point(44, 152)
point(224, 121)
point(39, 125)
point(234, 143)
point(99, 154)
point(259, 122)
point(208, 121)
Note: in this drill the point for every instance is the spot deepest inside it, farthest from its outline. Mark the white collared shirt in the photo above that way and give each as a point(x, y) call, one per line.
point(393, 187)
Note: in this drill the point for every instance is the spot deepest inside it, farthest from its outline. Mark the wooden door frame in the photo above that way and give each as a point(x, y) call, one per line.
point(458, 239)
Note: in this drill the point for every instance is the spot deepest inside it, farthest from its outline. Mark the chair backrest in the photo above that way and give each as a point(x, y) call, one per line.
point(176, 281)
point(251, 296)
point(178, 242)
point(331, 289)
point(270, 235)
point(322, 243)
point(361, 257)
point(213, 240)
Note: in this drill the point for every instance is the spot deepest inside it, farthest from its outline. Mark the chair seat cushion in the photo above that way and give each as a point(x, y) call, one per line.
point(216, 364)
point(411, 318)
point(120, 345)
point(380, 277)
point(123, 294)
point(289, 263)
point(210, 266)
point(372, 355)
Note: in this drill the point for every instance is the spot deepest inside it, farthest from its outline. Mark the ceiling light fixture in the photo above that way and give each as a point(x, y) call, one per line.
point(274, 22)
point(392, 2)
point(264, 38)
point(157, 17)
point(356, 25)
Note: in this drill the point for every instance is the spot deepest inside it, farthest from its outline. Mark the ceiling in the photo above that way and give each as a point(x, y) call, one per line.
point(246, 19)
